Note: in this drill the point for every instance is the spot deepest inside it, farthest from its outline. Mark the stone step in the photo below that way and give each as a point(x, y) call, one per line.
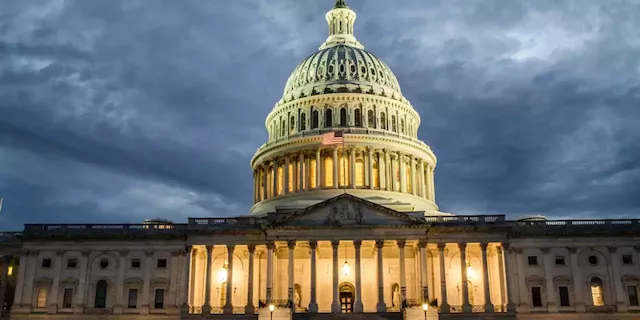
point(348, 316)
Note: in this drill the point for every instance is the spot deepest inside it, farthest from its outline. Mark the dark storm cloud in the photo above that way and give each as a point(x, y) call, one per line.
point(121, 110)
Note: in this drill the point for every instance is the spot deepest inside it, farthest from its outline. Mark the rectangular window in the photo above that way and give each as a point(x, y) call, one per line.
point(632, 291)
point(72, 263)
point(533, 260)
point(158, 301)
point(133, 299)
point(135, 263)
point(162, 263)
point(46, 263)
point(42, 298)
point(560, 261)
point(563, 292)
point(536, 297)
point(67, 298)
point(627, 259)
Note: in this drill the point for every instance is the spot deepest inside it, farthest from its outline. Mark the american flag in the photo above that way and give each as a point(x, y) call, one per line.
point(331, 138)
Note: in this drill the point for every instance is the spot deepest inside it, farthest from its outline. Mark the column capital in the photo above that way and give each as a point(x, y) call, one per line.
point(85, 253)
point(59, 253)
point(335, 244)
point(573, 250)
point(462, 245)
point(422, 243)
point(357, 243)
point(149, 253)
point(123, 253)
point(506, 245)
point(251, 248)
point(271, 245)
point(209, 248)
point(318, 151)
point(379, 244)
point(483, 246)
point(385, 150)
point(441, 246)
point(370, 149)
point(612, 249)
point(291, 244)
point(313, 244)
point(188, 248)
point(545, 249)
point(401, 243)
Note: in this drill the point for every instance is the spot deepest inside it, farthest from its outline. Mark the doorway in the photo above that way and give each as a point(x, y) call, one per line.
point(347, 296)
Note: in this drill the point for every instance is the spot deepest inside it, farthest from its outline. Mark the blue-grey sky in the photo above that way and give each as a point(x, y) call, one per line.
point(115, 111)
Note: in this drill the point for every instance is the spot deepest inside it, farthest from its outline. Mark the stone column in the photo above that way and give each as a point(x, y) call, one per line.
point(352, 166)
point(265, 187)
point(403, 173)
point(414, 187)
point(382, 171)
point(616, 282)
point(423, 271)
point(307, 175)
point(228, 307)
point(301, 172)
point(578, 285)
point(488, 305)
point(357, 306)
point(6, 261)
point(319, 165)
point(285, 183)
point(336, 168)
point(55, 287)
point(394, 182)
point(313, 304)
point(403, 278)
point(548, 275)
point(371, 176)
point(274, 192)
point(291, 245)
point(206, 308)
point(146, 282)
point(335, 304)
point(270, 247)
point(503, 296)
point(432, 183)
point(250, 308)
point(423, 184)
point(380, 306)
point(466, 307)
point(511, 307)
point(79, 298)
point(184, 308)
point(445, 308)
point(119, 306)
point(385, 173)
point(20, 282)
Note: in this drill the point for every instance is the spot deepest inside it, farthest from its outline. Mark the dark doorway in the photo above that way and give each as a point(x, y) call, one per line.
point(346, 297)
point(101, 294)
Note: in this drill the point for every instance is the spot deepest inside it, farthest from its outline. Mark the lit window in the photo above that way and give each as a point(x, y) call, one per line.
point(596, 292)
point(42, 298)
point(359, 173)
point(328, 171)
point(10, 271)
point(344, 170)
point(312, 174)
point(376, 174)
point(290, 180)
point(280, 180)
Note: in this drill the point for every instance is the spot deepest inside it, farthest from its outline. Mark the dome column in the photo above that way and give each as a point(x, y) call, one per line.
point(370, 158)
point(265, 169)
point(403, 173)
point(384, 170)
point(301, 171)
point(352, 166)
point(414, 188)
point(319, 183)
point(285, 184)
point(392, 173)
point(335, 168)
point(274, 191)
point(423, 183)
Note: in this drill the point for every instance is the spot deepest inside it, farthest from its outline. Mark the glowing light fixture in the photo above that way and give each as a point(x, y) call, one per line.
point(346, 268)
point(272, 307)
point(471, 273)
point(425, 306)
point(222, 275)
point(10, 271)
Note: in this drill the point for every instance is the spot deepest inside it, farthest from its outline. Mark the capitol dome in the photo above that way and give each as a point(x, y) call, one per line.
point(345, 90)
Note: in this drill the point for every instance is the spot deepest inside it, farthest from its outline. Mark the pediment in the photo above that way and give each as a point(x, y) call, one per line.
point(347, 210)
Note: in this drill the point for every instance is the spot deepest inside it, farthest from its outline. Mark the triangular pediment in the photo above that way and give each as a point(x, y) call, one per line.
point(347, 210)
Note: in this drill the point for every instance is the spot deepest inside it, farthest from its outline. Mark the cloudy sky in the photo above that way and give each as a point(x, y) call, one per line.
point(115, 111)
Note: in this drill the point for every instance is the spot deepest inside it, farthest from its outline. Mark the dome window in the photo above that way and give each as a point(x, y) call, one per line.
point(363, 70)
point(292, 124)
point(394, 127)
point(328, 118)
point(383, 121)
point(303, 121)
point(342, 70)
point(353, 68)
point(314, 119)
point(370, 119)
point(343, 117)
point(357, 117)
point(402, 126)
point(331, 69)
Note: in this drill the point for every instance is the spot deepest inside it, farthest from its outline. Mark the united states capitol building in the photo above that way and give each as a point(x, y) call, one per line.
point(347, 231)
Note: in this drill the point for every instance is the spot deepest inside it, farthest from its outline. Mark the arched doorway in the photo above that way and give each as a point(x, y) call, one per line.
point(101, 294)
point(347, 296)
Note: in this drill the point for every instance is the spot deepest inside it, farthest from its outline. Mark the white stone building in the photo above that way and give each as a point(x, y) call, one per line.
point(351, 228)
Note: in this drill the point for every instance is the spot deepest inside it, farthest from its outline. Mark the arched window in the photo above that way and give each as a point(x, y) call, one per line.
point(596, 292)
point(101, 294)
point(383, 121)
point(402, 126)
point(357, 115)
point(328, 118)
point(314, 119)
point(292, 124)
point(303, 121)
point(394, 128)
point(343, 117)
point(283, 128)
point(328, 172)
point(370, 119)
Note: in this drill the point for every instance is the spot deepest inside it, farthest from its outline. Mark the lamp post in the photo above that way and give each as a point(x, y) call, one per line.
point(425, 307)
point(271, 309)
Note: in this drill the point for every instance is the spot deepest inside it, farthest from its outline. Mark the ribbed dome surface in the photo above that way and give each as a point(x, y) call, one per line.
point(341, 68)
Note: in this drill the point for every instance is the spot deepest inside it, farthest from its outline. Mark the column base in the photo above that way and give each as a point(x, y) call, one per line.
point(381, 306)
point(335, 307)
point(206, 309)
point(580, 307)
point(78, 309)
point(227, 309)
point(249, 309)
point(184, 309)
point(445, 308)
point(467, 308)
point(358, 307)
point(117, 309)
point(552, 308)
point(313, 307)
point(489, 308)
point(621, 306)
point(52, 309)
point(144, 309)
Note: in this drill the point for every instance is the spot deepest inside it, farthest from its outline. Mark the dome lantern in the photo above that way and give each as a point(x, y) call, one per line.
point(341, 20)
